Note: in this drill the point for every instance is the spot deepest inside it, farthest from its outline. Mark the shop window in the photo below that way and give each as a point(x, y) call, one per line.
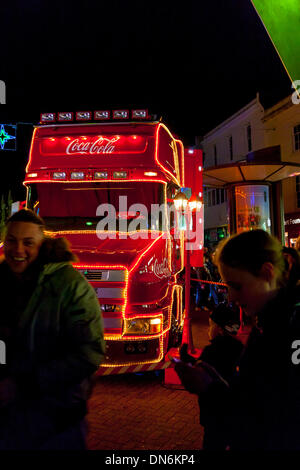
point(213, 198)
point(297, 138)
point(222, 196)
point(249, 138)
point(209, 198)
point(230, 148)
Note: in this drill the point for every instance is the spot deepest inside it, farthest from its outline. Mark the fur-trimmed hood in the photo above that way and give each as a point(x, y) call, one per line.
point(56, 250)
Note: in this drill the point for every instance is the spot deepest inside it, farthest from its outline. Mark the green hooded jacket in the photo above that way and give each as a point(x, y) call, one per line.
point(58, 340)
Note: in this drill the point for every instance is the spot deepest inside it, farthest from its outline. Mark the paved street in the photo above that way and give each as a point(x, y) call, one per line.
point(140, 412)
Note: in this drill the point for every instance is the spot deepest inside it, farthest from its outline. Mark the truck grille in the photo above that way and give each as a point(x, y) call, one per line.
point(93, 275)
point(110, 288)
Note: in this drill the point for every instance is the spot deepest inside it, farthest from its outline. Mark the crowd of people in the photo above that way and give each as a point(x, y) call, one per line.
point(50, 321)
point(249, 395)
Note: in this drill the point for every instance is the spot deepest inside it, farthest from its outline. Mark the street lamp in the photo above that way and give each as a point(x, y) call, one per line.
point(180, 201)
point(187, 207)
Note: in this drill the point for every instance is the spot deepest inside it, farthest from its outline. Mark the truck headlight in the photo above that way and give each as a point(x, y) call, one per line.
point(144, 326)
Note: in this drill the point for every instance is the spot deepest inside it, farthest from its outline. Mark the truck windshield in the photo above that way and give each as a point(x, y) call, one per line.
point(118, 206)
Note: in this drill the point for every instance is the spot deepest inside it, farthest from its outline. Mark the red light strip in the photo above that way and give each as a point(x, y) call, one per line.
point(84, 232)
point(144, 253)
point(182, 161)
point(123, 180)
point(30, 151)
point(156, 151)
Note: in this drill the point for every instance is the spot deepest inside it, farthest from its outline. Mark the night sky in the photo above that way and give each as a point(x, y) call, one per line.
point(192, 62)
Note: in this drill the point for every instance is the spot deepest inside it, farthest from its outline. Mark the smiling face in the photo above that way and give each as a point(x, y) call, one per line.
point(22, 244)
point(248, 291)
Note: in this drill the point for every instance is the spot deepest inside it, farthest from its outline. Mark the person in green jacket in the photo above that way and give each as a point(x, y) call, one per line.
point(52, 328)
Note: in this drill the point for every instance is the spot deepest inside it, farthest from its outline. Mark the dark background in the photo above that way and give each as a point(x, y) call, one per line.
point(192, 62)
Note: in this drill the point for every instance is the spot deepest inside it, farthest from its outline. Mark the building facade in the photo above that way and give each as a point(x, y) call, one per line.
point(253, 128)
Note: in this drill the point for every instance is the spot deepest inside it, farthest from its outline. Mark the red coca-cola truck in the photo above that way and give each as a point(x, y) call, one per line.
point(108, 186)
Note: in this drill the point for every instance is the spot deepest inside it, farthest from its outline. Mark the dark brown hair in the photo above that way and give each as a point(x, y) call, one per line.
point(249, 251)
point(26, 215)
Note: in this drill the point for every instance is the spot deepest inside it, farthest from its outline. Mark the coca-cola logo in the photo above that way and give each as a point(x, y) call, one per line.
point(161, 269)
point(92, 147)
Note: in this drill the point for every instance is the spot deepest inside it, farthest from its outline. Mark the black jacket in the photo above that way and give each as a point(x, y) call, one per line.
point(262, 408)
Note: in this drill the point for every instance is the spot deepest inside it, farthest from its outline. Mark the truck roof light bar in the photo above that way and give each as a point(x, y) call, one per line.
point(59, 175)
point(100, 174)
point(101, 115)
point(120, 114)
point(120, 174)
point(47, 117)
point(139, 114)
point(83, 115)
point(65, 117)
point(77, 175)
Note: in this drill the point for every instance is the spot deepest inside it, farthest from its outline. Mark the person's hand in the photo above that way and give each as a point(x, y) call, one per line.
point(184, 356)
point(194, 379)
point(8, 391)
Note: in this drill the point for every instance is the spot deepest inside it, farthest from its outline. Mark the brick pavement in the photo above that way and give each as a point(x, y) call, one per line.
point(140, 412)
point(132, 412)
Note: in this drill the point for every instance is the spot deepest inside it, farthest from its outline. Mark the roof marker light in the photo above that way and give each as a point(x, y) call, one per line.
point(139, 114)
point(77, 175)
point(150, 173)
point(191, 151)
point(100, 174)
point(120, 114)
point(32, 175)
point(59, 175)
point(47, 117)
point(99, 115)
point(65, 117)
point(120, 174)
point(83, 115)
